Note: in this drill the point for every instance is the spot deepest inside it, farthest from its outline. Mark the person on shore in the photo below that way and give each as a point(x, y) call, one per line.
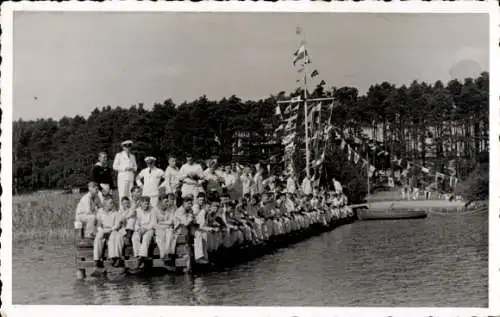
point(126, 167)
point(144, 230)
point(213, 180)
point(306, 186)
point(211, 226)
point(102, 174)
point(246, 181)
point(337, 186)
point(149, 179)
point(200, 204)
point(108, 229)
point(135, 202)
point(291, 183)
point(201, 235)
point(191, 177)
point(164, 227)
point(171, 177)
point(86, 211)
point(127, 216)
point(258, 180)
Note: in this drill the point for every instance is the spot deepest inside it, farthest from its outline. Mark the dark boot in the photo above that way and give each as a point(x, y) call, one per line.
point(128, 238)
point(99, 264)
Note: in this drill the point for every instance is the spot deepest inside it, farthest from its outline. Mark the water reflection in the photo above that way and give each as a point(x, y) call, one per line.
point(438, 261)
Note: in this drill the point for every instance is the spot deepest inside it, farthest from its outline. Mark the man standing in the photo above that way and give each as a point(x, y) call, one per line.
point(171, 176)
point(101, 174)
point(191, 175)
point(126, 166)
point(149, 180)
point(337, 186)
point(291, 183)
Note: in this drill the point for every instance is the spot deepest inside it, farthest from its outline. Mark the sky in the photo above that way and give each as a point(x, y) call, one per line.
point(68, 63)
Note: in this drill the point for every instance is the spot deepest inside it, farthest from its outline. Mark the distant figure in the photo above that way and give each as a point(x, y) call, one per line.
point(337, 186)
point(126, 167)
point(102, 174)
point(172, 177)
point(306, 186)
point(149, 179)
point(258, 181)
point(246, 181)
point(192, 177)
point(429, 189)
point(291, 186)
point(405, 190)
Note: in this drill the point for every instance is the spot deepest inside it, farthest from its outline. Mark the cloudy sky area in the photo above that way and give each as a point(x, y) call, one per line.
point(74, 62)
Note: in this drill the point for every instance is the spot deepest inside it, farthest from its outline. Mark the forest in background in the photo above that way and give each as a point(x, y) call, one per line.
point(51, 154)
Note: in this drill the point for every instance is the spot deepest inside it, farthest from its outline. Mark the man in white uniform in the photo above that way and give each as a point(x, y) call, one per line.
point(149, 179)
point(192, 177)
point(126, 167)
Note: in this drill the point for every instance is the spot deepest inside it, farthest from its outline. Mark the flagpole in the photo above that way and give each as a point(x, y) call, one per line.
point(306, 119)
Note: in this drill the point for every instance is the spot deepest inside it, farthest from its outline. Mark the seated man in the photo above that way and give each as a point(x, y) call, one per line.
point(164, 227)
point(127, 215)
point(144, 230)
point(108, 229)
point(212, 226)
point(86, 211)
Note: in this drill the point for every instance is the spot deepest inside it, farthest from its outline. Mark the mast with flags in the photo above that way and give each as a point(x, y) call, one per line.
point(300, 62)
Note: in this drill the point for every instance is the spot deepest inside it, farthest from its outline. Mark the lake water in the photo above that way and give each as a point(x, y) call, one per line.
point(437, 261)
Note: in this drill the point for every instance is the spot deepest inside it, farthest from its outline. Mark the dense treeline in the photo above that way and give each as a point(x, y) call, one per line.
point(431, 124)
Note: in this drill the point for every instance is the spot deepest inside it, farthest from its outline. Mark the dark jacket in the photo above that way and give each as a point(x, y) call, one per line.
point(102, 175)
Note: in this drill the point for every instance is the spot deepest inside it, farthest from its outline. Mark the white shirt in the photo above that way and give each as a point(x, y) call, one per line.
point(188, 169)
point(171, 179)
point(338, 186)
point(290, 185)
point(246, 182)
point(213, 181)
point(145, 220)
point(108, 220)
point(152, 179)
point(123, 161)
point(86, 205)
point(258, 183)
point(306, 186)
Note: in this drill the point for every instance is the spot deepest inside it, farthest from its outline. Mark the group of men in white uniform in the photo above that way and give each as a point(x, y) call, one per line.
point(151, 208)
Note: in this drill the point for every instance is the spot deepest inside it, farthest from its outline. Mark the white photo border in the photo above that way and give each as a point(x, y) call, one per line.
point(9, 8)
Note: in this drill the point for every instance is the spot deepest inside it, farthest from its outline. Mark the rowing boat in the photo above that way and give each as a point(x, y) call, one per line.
point(407, 209)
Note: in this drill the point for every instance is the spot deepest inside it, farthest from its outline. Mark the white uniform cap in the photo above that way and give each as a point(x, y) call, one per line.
point(127, 142)
point(149, 159)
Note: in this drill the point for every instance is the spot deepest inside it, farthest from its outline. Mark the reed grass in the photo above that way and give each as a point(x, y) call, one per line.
point(44, 215)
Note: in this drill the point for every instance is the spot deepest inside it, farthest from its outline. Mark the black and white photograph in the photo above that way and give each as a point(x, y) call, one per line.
point(316, 159)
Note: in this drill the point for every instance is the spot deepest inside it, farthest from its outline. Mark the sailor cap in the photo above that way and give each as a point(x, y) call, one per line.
point(127, 142)
point(149, 159)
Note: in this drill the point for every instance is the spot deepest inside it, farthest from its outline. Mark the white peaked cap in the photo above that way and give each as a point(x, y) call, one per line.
point(127, 142)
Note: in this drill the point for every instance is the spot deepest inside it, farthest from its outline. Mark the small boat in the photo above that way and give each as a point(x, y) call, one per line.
point(407, 209)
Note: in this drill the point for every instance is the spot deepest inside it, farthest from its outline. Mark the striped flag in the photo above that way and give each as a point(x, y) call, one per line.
point(300, 54)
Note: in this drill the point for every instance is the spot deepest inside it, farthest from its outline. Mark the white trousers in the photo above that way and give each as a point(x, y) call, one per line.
point(166, 241)
point(125, 184)
point(141, 242)
point(115, 245)
point(89, 221)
